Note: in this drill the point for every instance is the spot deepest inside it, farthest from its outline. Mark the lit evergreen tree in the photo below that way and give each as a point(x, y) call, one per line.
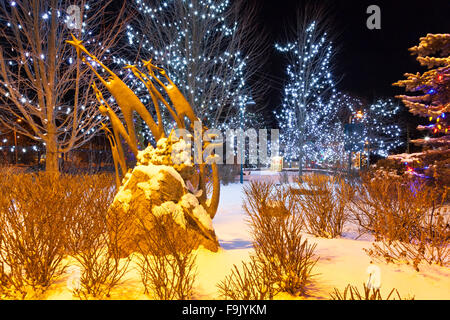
point(432, 86)
point(431, 100)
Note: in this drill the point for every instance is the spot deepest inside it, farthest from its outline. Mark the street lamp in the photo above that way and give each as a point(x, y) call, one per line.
point(359, 115)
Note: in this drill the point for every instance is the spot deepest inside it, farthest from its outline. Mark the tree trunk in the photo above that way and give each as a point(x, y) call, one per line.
point(51, 156)
point(300, 114)
point(300, 156)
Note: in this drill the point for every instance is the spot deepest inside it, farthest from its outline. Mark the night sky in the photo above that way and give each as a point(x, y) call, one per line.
point(368, 61)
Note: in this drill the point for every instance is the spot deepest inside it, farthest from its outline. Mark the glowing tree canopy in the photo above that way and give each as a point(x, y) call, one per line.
point(308, 120)
point(201, 45)
point(432, 87)
point(380, 130)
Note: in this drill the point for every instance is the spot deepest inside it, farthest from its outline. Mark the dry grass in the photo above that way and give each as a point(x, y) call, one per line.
point(253, 282)
point(277, 237)
point(352, 293)
point(167, 262)
point(324, 201)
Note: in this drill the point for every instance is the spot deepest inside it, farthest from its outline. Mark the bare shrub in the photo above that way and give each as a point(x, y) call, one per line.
point(7, 290)
point(32, 221)
point(5, 282)
point(406, 218)
point(5, 172)
point(324, 202)
point(93, 237)
point(44, 218)
point(386, 207)
point(277, 239)
point(258, 195)
point(352, 293)
point(430, 245)
point(253, 282)
point(166, 260)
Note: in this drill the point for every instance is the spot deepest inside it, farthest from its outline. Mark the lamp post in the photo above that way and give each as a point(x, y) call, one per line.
point(359, 115)
point(15, 141)
point(241, 121)
point(350, 151)
point(15, 145)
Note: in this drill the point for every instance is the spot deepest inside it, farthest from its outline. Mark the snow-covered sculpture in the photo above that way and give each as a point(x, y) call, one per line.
point(164, 180)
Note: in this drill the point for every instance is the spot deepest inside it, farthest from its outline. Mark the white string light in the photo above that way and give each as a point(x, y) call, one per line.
point(211, 93)
point(309, 105)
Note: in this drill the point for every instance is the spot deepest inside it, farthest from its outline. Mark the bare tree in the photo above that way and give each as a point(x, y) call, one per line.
point(46, 94)
point(308, 119)
point(209, 48)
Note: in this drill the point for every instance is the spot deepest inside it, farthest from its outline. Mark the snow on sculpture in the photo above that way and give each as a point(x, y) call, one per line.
point(164, 180)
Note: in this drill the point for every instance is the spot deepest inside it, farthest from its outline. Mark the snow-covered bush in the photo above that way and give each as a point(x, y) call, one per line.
point(324, 201)
point(277, 237)
point(390, 166)
point(167, 261)
point(352, 293)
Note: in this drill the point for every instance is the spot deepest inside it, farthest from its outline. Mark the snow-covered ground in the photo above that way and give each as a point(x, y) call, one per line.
point(342, 261)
